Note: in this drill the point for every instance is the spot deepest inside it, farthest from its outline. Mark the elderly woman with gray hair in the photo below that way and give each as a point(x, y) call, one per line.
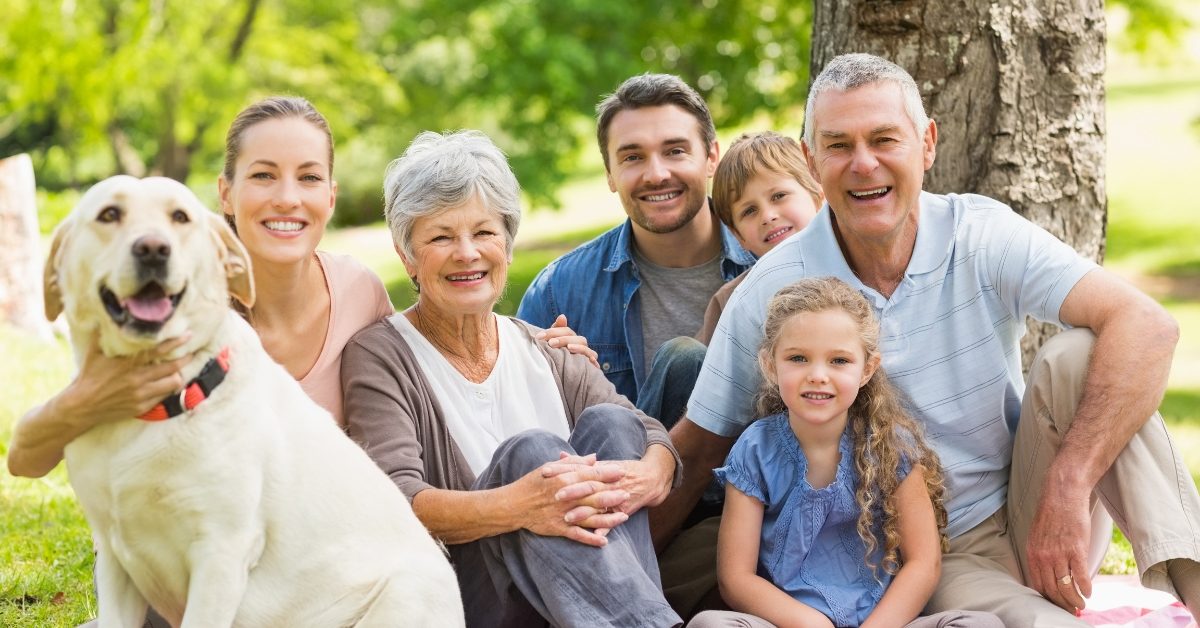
point(521, 457)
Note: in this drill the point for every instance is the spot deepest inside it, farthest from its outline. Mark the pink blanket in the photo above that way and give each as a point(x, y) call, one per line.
point(1121, 601)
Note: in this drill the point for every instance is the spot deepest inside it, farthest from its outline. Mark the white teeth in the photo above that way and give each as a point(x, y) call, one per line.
point(869, 192)
point(774, 235)
point(284, 225)
point(818, 396)
point(654, 198)
point(467, 277)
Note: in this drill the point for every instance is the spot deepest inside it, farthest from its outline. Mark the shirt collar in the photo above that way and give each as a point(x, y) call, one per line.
point(935, 235)
point(935, 238)
point(622, 252)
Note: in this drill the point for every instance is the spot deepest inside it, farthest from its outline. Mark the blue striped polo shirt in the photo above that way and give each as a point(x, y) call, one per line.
point(950, 333)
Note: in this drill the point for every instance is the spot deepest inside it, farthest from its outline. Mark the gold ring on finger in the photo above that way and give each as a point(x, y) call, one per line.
point(1065, 579)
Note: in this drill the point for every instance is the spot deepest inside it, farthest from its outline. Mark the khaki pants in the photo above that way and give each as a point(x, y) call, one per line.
point(1148, 491)
point(689, 569)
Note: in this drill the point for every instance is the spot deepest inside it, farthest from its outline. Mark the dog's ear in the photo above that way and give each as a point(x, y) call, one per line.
point(51, 292)
point(235, 260)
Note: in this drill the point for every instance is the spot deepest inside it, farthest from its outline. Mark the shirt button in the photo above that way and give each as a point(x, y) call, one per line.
point(606, 366)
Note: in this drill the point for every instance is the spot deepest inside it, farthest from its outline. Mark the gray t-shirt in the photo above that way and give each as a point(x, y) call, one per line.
point(673, 300)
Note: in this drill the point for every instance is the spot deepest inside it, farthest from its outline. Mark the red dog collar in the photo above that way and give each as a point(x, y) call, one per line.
point(194, 393)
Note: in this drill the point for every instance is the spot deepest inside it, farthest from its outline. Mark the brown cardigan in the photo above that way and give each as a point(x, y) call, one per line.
point(392, 414)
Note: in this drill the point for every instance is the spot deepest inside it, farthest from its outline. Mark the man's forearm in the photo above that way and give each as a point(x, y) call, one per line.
point(1124, 385)
point(701, 451)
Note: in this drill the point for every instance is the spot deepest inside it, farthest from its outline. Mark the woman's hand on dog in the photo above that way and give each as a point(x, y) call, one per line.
point(110, 389)
point(105, 389)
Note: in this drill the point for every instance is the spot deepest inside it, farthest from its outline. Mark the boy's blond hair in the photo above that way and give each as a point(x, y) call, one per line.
point(751, 154)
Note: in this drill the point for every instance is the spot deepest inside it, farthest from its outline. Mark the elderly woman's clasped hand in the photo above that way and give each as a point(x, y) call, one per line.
point(575, 497)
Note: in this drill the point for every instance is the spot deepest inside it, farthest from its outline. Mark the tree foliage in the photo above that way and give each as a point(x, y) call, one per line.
point(92, 88)
point(149, 86)
point(1153, 26)
point(533, 71)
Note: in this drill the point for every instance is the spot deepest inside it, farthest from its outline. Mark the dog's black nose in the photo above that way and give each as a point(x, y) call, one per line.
point(151, 250)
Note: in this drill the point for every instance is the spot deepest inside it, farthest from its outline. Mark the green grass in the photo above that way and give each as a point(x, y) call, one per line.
point(45, 547)
point(1152, 154)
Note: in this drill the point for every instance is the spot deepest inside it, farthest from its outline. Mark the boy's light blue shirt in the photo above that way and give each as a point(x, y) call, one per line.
point(950, 333)
point(595, 286)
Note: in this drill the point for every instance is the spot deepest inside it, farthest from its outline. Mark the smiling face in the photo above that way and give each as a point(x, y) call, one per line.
point(281, 196)
point(460, 259)
point(870, 161)
point(772, 207)
point(141, 260)
point(659, 166)
point(819, 364)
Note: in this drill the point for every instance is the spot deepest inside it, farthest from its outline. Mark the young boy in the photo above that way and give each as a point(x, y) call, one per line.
point(764, 192)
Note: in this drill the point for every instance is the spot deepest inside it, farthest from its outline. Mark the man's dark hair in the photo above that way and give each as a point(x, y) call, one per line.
point(653, 90)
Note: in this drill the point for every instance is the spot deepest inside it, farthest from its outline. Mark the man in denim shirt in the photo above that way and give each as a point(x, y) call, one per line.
point(639, 291)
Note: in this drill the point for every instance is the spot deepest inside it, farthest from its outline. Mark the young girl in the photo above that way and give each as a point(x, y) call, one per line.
point(833, 504)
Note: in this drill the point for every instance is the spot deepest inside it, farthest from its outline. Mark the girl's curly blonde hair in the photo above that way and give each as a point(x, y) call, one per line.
point(882, 431)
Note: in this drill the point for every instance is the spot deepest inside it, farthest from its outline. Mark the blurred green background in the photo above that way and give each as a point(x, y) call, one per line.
point(95, 87)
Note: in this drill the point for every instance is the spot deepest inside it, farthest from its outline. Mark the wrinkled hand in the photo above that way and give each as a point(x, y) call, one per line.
point(559, 335)
point(110, 389)
point(648, 481)
point(573, 498)
point(1058, 546)
point(645, 482)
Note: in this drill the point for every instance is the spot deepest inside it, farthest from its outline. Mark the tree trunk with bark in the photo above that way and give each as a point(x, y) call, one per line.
point(20, 249)
point(1017, 90)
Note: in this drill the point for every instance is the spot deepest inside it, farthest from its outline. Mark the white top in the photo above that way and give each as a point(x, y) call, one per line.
point(949, 333)
point(519, 394)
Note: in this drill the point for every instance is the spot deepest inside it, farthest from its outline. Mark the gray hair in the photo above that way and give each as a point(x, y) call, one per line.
point(439, 172)
point(846, 72)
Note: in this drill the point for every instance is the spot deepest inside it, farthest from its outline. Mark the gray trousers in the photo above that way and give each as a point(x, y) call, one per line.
point(523, 579)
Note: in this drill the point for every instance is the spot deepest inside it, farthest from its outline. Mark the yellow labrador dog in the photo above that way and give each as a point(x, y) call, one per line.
point(239, 502)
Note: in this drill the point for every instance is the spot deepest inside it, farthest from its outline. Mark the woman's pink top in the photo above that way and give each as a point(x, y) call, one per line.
point(356, 299)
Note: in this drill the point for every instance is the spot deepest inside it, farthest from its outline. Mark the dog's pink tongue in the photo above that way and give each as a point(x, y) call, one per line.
point(154, 310)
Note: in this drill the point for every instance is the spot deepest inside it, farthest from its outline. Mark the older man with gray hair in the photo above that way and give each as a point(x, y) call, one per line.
point(952, 278)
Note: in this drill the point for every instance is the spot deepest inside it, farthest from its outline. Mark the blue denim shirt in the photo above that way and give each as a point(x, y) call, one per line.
point(809, 545)
point(595, 286)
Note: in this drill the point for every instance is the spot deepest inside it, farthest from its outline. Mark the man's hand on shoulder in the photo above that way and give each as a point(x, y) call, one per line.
point(560, 335)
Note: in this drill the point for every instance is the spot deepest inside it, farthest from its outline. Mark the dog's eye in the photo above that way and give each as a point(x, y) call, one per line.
point(112, 213)
point(180, 217)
